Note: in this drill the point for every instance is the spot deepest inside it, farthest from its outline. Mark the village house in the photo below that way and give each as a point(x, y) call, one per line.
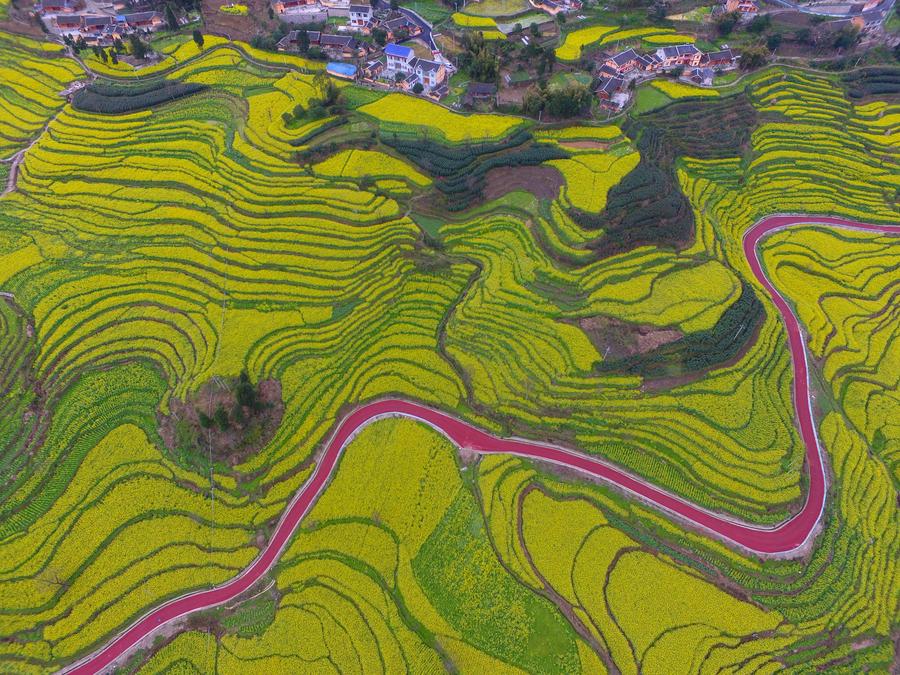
point(341, 46)
point(480, 92)
point(360, 16)
point(68, 23)
point(648, 63)
point(872, 20)
point(94, 26)
point(373, 70)
point(400, 28)
point(681, 55)
point(291, 41)
point(623, 62)
point(609, 88)
point(607, 71)
point(398, 58)
point(282, 5)
point(702, 76)
point(430, 73)
point(747, 7)
point(557, 6)
point(723, 58)
point(59, 6)
point(141, 20)
point(402, 61)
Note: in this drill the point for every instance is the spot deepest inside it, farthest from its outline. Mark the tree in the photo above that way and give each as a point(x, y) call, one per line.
point(845, 38)
point(113, 57)
point(533, 101)
point(478, 58)
point(418, 88)
point(535, 30)
point(760, 24)
point(246, 392)
point(773, 42)
point(550, 58)
point(118, 46)
point(303, 41)
point(205, 420)
point(753, 57)
point(726, 22)
point(395, 5)
point(138, 48)
point(299, 111)
point(103, 56)
point(380, 37)
point(326, 88)
point(804, 36)
point(221, 418)
point(171, 19)
point(198, 38)
point(568, 101)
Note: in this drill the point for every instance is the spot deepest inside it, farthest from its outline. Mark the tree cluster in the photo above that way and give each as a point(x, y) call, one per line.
point(571, 100)
point(479, 59)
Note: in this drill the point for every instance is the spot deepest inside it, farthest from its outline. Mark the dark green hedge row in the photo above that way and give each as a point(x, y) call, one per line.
point(459, 171)
point(700, 351)
point(116, 99)
point(875, 81)
point(647, 206)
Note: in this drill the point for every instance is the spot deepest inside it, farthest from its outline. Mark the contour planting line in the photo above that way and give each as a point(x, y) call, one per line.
point(785, 538)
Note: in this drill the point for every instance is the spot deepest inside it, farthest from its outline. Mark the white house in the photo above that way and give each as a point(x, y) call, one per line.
point(430, 73)
point(360, 15)
point(399, 59)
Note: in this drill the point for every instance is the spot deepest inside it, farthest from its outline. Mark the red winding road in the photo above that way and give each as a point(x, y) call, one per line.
point(782, 538)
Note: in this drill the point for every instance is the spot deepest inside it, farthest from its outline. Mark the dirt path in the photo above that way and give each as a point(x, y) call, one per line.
point(789, 537)
point(19, 157)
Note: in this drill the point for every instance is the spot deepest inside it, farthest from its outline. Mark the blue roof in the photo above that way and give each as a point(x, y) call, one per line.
point(341, 69)
point(399, 51)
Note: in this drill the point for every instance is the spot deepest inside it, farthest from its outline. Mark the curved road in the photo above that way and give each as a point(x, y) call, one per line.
point(783, 538)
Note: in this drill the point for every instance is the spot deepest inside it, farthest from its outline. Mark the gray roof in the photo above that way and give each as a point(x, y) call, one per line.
point(481, 89)
point(720, 55)
point(140, 17)
point(361, 9)
point(611, 85)
point(622, 58)
point(338, 41)
point(97, 20)
point(680, 50)
point(425, 64)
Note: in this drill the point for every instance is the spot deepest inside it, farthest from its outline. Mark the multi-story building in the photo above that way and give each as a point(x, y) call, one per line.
point(623, 62)
point(360, 16)
point(430, 73)
point(398, 59)
point(680, 55)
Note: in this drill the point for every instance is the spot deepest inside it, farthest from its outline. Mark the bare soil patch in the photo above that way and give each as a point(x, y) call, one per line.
point(619, 339)
point(587, 145)
point(543, 182)
point(227, 420)
point(256, 22)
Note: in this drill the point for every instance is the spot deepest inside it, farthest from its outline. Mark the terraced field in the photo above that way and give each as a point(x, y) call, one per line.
point(144, 255)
